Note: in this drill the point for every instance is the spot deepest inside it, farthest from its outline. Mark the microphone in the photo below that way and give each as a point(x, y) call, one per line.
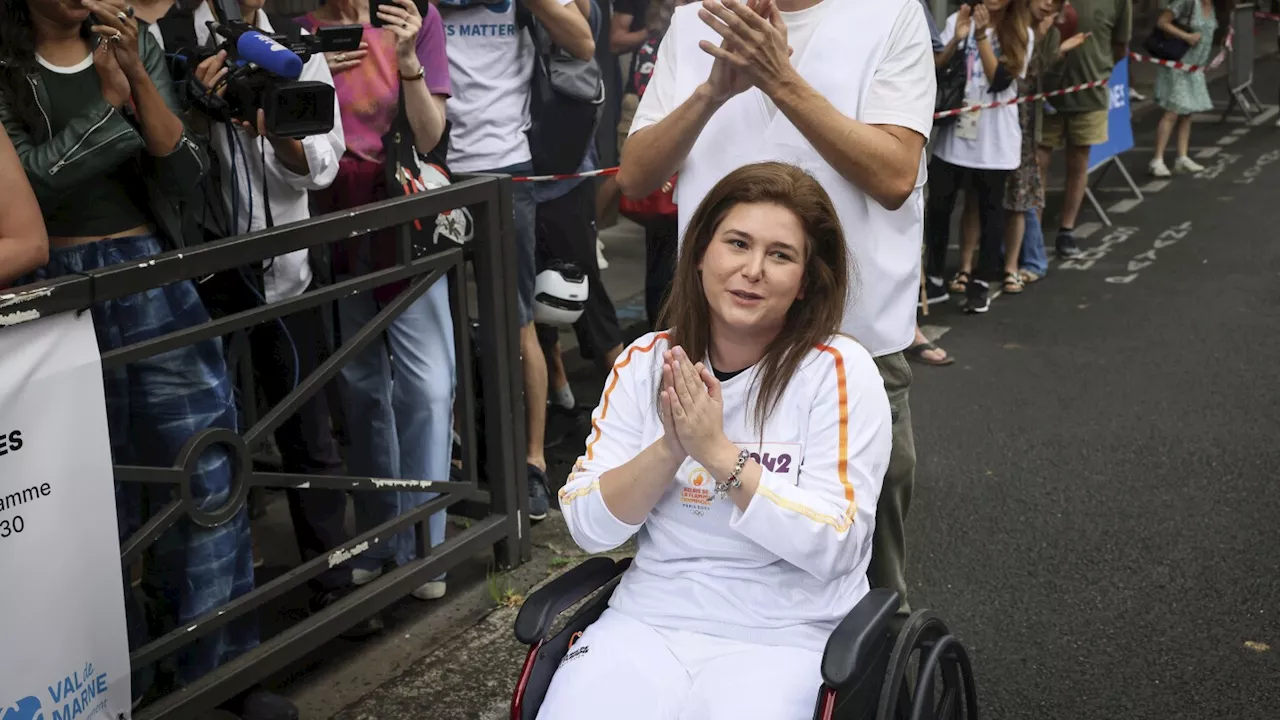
point(262, 51)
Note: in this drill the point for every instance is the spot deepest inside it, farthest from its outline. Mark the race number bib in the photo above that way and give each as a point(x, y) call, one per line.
point(778, 458)
point(967, 123)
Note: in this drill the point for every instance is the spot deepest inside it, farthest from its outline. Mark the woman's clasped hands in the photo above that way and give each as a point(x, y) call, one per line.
point(692, 408)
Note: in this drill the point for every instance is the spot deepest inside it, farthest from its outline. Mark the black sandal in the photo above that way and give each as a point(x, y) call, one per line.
point(960, 282)
point(915, 353)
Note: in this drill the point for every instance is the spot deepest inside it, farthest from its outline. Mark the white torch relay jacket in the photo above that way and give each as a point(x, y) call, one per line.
point(789, 568)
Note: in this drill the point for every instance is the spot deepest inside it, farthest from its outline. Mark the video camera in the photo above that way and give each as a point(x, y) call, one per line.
point(263, 73)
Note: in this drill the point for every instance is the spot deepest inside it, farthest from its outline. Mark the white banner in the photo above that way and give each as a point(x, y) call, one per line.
point(64, 651)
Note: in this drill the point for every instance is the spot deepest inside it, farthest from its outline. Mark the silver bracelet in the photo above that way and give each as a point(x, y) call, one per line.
point(733, 482)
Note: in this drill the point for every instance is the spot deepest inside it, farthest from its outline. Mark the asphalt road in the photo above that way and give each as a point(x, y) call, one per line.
point(1097, 511)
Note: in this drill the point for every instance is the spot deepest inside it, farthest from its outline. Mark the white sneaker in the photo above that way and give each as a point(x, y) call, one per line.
point(1157, 168)
point(1185, 164)
point(600, 261)
point(364, 577)
point(433, 590)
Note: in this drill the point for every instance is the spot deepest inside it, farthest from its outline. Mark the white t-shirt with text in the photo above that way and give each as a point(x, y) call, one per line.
point(491, 69)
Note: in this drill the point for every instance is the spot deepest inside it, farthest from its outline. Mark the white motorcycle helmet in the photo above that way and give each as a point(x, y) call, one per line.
point(559, 295)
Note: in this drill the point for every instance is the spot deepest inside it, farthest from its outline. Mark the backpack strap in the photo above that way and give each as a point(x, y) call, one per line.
point(525, 19)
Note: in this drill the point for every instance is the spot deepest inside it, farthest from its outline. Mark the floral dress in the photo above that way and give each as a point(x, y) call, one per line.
point(1181, 92)
point(1024, 191)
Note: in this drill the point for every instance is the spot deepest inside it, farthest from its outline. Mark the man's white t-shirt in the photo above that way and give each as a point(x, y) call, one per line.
point(895, 86)
point(897, 93)
point(491, 69)
point(800, 26)
point(998, 142)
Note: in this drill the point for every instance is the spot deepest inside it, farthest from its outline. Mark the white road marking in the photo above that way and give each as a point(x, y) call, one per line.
point(1206, 153)
point(1124, 206)
point(1084, 230)
point(1146, 150)
point(1228, 139)
point(1266, 116)
point(1109, 189)
point(1156, 186)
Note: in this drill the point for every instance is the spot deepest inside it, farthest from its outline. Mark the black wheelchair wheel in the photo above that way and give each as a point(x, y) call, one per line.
point(925, 642)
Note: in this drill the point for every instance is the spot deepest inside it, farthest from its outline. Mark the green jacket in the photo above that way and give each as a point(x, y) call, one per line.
point(101, 139)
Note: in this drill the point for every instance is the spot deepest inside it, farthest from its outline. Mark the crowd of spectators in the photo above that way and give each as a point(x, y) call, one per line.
point(113, 128)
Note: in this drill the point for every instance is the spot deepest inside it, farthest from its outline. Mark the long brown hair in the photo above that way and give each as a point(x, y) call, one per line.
point(827, 268)
point(1012, 32)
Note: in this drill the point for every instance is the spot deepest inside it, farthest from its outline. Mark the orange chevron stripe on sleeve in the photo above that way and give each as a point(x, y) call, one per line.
point(842, 464)
point(613, 382)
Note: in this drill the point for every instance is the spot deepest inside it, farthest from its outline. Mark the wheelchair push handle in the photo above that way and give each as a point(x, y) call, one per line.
point(851, 646)
point(540, 610)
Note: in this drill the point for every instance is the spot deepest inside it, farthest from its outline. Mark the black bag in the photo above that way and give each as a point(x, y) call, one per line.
point(1163, 46)
point(409, 171)
point(565, 104)
point(952, 81)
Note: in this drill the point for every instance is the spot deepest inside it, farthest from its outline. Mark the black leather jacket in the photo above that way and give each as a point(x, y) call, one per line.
point(102, 138)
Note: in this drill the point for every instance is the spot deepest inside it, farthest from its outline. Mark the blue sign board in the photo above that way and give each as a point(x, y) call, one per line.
point(1119, 128)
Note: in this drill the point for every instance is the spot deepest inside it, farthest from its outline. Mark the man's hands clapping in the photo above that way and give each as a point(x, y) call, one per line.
point(754, 50)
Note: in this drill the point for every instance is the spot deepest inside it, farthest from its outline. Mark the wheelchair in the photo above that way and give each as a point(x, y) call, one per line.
point(875, 665)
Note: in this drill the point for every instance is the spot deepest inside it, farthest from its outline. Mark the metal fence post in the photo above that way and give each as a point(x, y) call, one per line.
point(1240, 61)
point(499, 339)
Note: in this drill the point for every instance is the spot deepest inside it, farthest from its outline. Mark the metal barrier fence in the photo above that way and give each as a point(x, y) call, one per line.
point(501, 522)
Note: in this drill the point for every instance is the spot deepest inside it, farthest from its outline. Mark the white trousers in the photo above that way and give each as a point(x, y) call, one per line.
point(623, 669)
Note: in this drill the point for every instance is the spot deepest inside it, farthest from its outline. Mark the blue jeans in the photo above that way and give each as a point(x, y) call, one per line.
point(154, 405)
point(398, 395)
point(1033, 257)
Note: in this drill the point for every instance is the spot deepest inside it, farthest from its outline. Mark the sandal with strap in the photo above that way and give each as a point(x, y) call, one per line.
point(1013, 283)
point(960, 282)
point(915, 353)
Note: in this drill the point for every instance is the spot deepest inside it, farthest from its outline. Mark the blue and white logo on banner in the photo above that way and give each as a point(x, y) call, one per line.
point(1119, 127)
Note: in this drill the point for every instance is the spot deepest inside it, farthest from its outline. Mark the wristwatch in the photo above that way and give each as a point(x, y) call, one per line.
point(422, 71)
point(733, 482)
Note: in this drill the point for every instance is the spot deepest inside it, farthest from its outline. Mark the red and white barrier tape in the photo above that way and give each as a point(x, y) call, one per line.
point(567, 176)
point(1266, 16)
point(1187, 67)
point(1022, 99)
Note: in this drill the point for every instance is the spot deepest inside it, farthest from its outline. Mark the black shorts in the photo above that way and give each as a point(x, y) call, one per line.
point(566, 230)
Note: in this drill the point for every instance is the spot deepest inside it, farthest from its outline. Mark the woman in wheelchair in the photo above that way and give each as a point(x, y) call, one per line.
point(745, 449)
